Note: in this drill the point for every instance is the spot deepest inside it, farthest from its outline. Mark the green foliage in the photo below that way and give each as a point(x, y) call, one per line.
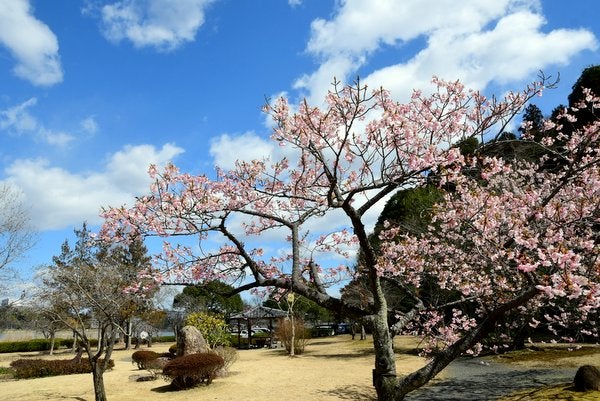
point(411, 209)
point(6, 371)
point(533, 115)
point(212, 327)
point(468, 146)
point(32, 368)
point(163, 339)
point(37, 345)
point(190, 370)
point(309, 310)
point(211, 297)
point(590, 79)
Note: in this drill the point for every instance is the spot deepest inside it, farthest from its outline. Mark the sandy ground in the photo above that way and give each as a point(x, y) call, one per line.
point(332, 368)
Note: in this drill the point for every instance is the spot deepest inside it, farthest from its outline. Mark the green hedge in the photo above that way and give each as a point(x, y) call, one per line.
point(44, 344)
point(38, 345)
point(164, 339)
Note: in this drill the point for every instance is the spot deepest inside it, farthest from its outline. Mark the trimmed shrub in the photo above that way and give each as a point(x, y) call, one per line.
point(39, 344)
point(32, 368)
point(191, 370)
point(141, 358)
point(156, 366)
point(163, 339)
point(28, 346)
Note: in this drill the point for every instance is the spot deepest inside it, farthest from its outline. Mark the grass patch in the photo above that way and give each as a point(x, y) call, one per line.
point(562, 392)
point(6, 371)
point(547, 354)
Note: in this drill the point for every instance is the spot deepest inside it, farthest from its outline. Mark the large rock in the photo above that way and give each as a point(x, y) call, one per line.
point(190, 341)
point(587, 378)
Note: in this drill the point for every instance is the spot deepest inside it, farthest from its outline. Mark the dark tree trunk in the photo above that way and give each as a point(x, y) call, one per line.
point(101, 359)
point(384, 374)
point(98, 375)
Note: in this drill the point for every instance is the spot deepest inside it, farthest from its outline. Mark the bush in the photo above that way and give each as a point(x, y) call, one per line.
point(173, 349)
point(141, 358)
point(229, 355)
point(190, 370)
point(212, 326)
point(39, 344)
point(28, 346)
point(32, 368)
point(301, 335)
point(164, 339)
point(238, 341)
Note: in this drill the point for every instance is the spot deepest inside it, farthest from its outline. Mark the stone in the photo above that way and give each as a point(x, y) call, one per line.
point(587, 378)
point(190, 341)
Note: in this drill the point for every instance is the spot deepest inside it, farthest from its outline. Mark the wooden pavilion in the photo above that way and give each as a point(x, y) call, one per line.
point(257, 315)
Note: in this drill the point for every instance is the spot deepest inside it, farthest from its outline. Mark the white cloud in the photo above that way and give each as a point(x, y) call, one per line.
point(164, 24)
point(513, 50)
point(60, 139)
point(58, 198)
point(226, 149)
point(18, 117)
point(477, 42)
point(19, 120)
point(89, 125)
point(31, 42)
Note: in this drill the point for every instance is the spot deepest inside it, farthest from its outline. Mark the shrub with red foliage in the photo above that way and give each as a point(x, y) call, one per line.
point(141, 358)
point(190, 370)
point(31, 368)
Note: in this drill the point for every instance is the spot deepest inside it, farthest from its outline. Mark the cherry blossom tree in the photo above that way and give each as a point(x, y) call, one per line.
point(345, 159)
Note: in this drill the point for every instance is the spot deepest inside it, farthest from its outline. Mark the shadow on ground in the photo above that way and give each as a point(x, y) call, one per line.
point(352, 393)
point(473, 380)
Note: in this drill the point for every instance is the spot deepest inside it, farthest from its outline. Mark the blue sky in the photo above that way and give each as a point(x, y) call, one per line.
point(93, 91)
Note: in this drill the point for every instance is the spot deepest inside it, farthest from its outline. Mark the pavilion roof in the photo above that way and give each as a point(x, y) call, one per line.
point(260, 312)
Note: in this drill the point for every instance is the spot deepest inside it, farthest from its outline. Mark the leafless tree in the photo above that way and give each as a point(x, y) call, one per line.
point(16, 233)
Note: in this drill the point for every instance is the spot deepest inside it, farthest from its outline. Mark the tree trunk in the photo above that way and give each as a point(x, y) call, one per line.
point(384, 374)
point(293, 339)
point(52, 340)
point(74, 347)
point(97, 372)
point(99, 337)
point(128, 336)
